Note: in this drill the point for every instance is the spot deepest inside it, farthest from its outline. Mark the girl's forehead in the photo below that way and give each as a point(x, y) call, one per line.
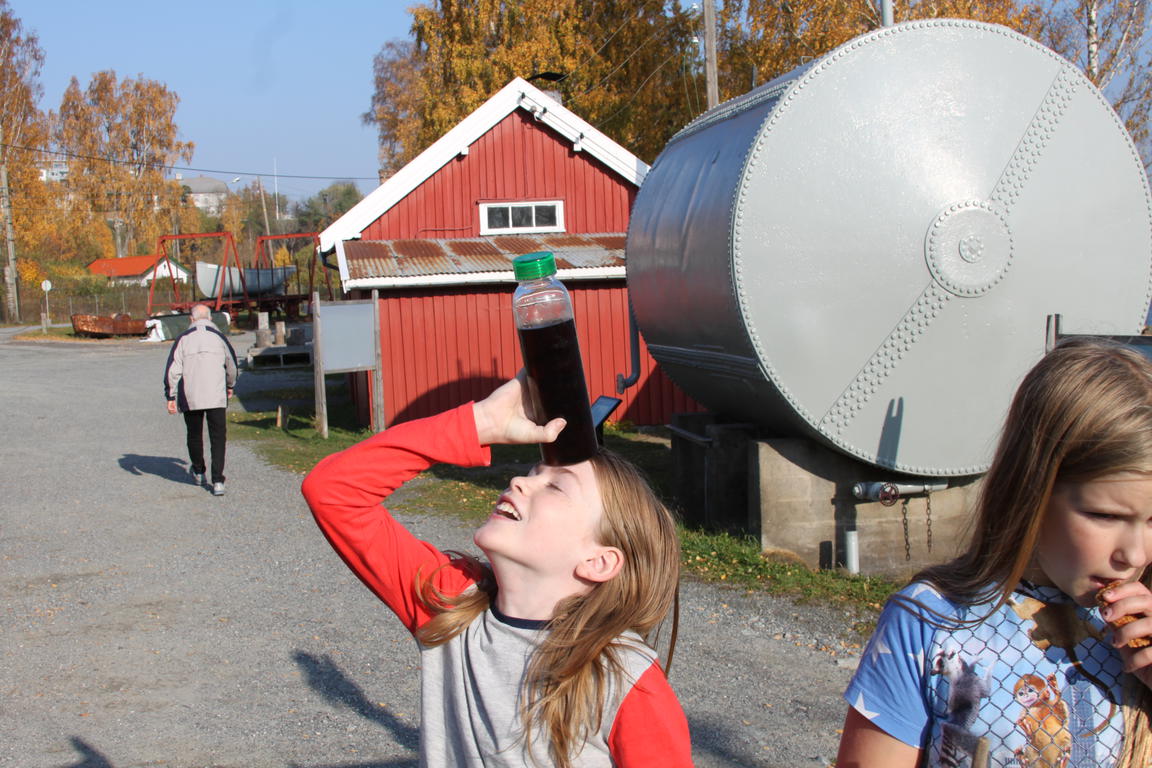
point(583, 469)
point(1112, 481)
point(582, 475)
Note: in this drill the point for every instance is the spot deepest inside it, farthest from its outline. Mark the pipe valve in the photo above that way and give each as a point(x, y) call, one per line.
point(889, 493)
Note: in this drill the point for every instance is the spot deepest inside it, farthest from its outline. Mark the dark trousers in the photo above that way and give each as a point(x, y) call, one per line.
point(217, 432)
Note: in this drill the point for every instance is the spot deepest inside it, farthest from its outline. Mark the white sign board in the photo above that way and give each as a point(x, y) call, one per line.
point(349, 336)
point(346, 338)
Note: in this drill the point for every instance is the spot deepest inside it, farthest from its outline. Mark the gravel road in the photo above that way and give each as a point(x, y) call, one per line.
point(148, 623)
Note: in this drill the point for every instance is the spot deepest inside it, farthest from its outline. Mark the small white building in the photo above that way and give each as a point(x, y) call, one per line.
point(138, 270)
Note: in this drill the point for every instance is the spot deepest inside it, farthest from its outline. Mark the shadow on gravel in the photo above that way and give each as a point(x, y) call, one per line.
point(326, 678)
point(401, 763)
point(90, 757)
point(162, 466)
point(720, 739)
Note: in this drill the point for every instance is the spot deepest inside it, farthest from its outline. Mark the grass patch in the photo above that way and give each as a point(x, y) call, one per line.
point(469, 492)
point(739, 562)
point(283, 393)
point(65, 333)
point(295, 445)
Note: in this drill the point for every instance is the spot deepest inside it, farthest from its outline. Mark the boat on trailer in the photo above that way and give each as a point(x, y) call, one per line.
point(216, 281)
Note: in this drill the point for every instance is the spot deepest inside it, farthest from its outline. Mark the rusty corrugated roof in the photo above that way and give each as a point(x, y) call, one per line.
point(394, 260)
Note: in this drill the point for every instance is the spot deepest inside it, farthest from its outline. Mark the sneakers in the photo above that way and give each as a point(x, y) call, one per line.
point(198, 478)
point(217, 489)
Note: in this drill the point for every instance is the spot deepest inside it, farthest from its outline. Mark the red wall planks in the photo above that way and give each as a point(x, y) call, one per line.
point(443, 347)
point(517, 160)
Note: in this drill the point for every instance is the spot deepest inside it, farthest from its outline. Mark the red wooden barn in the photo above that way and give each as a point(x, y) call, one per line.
point(520, 174)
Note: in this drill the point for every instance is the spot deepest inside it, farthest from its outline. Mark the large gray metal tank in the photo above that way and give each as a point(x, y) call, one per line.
point(866, 249)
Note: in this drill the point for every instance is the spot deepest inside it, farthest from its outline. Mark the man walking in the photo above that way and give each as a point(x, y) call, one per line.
point(198, 381)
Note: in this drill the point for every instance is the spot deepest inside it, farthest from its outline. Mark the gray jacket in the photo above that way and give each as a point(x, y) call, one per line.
point(201, 368)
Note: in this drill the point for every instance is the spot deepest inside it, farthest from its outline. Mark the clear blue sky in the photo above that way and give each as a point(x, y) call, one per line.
point(264, 85)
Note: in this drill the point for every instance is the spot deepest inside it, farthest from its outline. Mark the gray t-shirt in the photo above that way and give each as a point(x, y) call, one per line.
point(476, 679)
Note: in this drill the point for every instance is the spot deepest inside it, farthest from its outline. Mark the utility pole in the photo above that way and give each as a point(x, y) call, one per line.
point(276, 191)
point(710, 80)
point(264, 205)
point(11, 281)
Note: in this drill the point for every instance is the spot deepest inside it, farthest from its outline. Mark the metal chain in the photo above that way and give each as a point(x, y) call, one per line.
point(907, 538)
point(928, 517)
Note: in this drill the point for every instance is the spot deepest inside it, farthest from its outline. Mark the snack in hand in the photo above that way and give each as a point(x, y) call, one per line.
point(1119, 621)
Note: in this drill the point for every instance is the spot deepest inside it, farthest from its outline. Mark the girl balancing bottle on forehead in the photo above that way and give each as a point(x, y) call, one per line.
point(542, 310)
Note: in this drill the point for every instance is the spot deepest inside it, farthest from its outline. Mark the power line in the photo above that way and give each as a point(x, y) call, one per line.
point(596, 53)
point(687, 93)
point(627, 58)
point(117, 161)
point(632, 98)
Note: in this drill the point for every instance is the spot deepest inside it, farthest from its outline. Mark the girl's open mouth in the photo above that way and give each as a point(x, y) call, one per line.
point(505, 509)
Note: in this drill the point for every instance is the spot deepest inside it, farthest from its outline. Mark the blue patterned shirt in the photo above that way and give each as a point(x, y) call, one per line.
point(1034, 684)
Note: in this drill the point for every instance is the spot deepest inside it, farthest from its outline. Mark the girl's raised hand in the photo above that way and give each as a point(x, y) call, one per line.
point(1132, 599)
point(502, 418)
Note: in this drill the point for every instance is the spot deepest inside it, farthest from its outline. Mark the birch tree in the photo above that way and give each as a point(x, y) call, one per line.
point(395, 109)
point(21, 125)
point(120, 135)
point(620, 64)
point(762, 39)
point(632, 68)
point(1109, 41)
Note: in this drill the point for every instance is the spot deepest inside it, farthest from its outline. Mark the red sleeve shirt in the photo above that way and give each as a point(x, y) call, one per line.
point(345, 491)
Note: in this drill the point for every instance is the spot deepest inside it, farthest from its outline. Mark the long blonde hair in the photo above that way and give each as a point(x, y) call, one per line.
point(572, 670)
point(1083, 412)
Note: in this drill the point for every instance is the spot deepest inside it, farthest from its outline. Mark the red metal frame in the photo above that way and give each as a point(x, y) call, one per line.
point(289, 303)
point(260, 257)
point(230, 253)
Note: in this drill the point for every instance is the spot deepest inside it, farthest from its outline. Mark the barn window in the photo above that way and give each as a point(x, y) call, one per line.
point(501, 218)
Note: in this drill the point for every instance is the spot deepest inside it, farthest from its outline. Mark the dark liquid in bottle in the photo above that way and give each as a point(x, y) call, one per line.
point(556, 388)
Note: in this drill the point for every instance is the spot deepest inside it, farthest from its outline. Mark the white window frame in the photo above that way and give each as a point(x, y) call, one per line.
point(510, 230)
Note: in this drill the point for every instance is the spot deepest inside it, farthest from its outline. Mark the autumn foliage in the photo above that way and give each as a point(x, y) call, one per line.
point(633, 68)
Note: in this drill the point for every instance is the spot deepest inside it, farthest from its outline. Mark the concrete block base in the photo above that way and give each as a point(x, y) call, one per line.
point(803, 491)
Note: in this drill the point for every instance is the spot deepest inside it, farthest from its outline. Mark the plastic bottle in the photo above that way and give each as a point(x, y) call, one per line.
point(542, 310)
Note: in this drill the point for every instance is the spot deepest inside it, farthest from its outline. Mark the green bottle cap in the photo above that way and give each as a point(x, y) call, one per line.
point(531, 266)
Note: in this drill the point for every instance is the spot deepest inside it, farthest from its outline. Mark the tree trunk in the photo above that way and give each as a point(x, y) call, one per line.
point(11, 276)
point(175, 231)
point(117, 225)
point(1092, 37)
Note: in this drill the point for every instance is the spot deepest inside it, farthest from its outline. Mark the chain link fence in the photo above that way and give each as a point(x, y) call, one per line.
point(1010, 706)
point(63, 301)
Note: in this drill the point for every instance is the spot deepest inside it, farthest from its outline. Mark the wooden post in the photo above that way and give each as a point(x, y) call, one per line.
point(263, 332)
point(318, 369)
point(711, 84)
point(378, 368)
